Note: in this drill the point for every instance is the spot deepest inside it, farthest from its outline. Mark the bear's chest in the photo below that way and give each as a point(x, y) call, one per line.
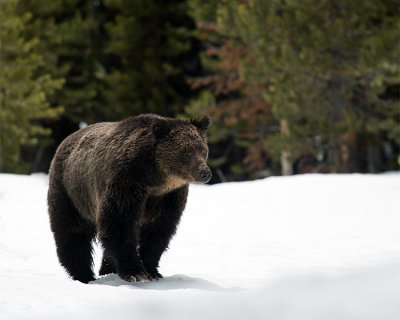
point(171, 183)
point(156, 203)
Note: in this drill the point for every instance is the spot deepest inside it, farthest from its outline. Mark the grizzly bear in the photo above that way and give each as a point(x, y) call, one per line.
point(125, 183)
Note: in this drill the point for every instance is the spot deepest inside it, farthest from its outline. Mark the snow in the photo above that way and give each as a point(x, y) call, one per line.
point(290, 248)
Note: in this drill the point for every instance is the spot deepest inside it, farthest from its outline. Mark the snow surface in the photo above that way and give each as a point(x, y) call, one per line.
point(301, 247)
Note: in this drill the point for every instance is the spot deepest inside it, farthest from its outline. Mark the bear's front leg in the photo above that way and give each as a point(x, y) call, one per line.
point(155, 236)
point(118, 234)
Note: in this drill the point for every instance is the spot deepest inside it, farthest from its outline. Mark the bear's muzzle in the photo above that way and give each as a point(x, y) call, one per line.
point(205, 174)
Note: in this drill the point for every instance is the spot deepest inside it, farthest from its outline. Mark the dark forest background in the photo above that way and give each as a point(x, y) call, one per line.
point(292, 86)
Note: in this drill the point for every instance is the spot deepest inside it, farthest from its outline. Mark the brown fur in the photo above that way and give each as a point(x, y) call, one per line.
point(127, 183)
point(171, 183)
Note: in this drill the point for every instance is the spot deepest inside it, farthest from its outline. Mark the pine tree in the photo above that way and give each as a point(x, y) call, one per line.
point(154, 48)
point(326, 65)
point(240, 114)
point(73, 43)
point(23, 95)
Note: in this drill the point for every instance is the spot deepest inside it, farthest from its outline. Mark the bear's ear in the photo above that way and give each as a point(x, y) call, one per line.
point(203, 123)
point(160, 129)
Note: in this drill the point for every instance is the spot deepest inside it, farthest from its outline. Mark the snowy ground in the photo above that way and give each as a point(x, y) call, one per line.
point(303, 247)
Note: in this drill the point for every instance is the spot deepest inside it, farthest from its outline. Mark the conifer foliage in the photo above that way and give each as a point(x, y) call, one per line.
point(154, 48)
point(327, 70)
point(23, 93)
point(117, 59)
point(292, 86)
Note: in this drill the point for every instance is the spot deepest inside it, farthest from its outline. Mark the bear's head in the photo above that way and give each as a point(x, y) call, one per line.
point(181, 149)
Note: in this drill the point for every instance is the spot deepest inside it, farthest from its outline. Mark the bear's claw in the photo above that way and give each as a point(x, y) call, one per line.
point(140, 277)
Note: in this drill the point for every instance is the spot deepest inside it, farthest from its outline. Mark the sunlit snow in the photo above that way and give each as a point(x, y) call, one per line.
point(301, 247)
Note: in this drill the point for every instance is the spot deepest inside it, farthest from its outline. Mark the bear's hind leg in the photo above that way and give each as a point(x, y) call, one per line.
point(73, 236)
point(74, 251)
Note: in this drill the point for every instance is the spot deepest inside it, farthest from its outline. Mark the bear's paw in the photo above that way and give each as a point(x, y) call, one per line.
point(138, 277)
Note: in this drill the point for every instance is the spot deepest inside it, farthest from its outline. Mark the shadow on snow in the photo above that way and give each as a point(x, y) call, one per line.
point(175, 282)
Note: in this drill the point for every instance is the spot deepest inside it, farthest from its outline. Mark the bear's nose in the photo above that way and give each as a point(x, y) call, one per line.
point(205, 174)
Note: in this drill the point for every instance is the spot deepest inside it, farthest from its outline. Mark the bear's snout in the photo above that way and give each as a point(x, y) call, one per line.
point(205, 174)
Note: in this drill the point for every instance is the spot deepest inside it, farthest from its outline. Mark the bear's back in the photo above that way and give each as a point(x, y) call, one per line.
point(90, 158)
point(76, 165)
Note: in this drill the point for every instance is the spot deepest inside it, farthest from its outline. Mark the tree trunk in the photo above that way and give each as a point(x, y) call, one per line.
point(343, 154)
point(286, 164)
point(375, 159)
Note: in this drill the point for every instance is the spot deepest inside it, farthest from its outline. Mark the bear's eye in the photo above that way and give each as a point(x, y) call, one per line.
point(204, 153)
